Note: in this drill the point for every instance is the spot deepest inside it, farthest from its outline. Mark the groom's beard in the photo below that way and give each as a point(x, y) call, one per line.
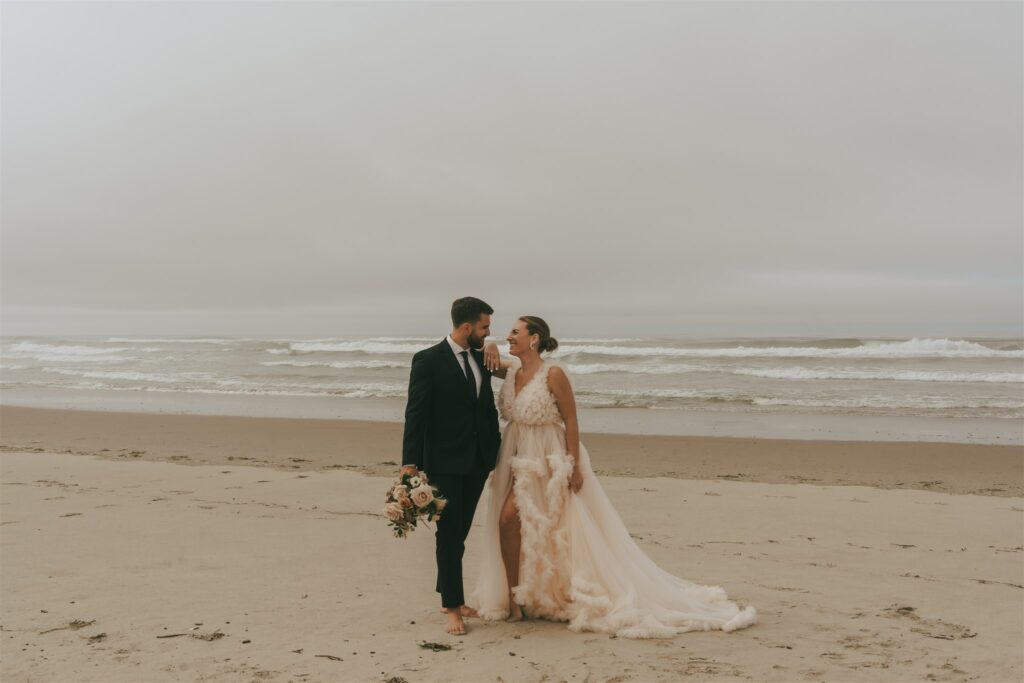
point(475, 342)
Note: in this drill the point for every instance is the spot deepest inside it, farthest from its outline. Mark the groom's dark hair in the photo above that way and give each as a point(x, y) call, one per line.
point(468, 309)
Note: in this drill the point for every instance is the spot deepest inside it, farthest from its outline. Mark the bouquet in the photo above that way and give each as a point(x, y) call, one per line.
point(410, 498)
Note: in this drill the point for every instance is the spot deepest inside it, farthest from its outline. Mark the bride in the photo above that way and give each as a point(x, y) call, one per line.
point(553, 545)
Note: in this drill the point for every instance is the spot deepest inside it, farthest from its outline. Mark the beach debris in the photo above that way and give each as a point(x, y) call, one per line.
point(97, 638)
point(904, 545)
point(71, 626)
point(1001, 583)
point(299, 651)
point(397, 679)
point(72, 514)
point(435, 647)
point(331, 657)
point(214, 635)
point(246, 642)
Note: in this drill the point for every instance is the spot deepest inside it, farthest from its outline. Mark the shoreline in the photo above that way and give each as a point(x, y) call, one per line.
point(374, 448)
point(771, 424)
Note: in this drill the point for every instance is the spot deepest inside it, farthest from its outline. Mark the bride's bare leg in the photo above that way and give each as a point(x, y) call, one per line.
point(509, 534)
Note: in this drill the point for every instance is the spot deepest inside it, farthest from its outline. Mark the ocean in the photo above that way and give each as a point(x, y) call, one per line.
point(661, 385)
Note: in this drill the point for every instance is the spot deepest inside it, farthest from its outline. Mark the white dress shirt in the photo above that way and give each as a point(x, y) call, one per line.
point(457, 350)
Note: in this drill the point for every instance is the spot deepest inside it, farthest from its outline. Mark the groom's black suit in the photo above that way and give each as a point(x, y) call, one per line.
point(451, 433)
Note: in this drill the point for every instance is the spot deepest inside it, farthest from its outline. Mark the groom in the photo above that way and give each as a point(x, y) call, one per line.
point(451, 433)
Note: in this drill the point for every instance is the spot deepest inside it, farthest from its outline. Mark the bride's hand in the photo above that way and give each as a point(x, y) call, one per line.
point(492, 360)
point(576, 479)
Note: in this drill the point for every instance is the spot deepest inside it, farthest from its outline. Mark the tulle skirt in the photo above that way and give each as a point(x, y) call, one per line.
point(578, 562)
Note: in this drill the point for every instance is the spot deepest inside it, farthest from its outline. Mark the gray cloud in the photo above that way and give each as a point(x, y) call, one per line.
point(671, 168)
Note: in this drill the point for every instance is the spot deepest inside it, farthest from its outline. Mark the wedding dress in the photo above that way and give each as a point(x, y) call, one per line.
point(578, 562)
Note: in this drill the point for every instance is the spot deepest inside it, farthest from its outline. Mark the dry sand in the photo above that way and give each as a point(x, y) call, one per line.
point(284, 571)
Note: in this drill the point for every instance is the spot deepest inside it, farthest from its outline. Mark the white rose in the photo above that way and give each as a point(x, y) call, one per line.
point(422, 495)
point(414, 481)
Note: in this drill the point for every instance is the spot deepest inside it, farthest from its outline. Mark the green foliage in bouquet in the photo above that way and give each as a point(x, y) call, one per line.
point(409, 499)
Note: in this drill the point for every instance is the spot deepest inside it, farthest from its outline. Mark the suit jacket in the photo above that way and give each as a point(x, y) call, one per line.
point(445, 424)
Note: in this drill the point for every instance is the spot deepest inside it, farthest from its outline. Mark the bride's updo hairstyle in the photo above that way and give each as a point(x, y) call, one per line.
point(535, 325)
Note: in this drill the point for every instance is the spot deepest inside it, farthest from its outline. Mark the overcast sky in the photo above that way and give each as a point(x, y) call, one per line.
point(690, 169)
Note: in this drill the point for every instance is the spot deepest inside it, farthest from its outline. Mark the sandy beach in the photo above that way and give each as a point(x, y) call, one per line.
point(167, 548)
point(373, 447)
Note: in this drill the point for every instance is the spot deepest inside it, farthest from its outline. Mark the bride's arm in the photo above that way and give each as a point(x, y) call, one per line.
point(493, 362)
point(558, 382)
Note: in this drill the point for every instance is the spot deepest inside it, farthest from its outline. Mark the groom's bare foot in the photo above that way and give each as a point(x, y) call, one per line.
point(466, 611)
point(456, 626)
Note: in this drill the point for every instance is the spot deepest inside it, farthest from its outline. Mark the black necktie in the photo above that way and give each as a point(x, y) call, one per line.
point(470, 379)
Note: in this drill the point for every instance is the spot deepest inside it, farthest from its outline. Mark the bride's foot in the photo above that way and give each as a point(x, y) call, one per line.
point(456, 626)
point(467, 612)
point(515, 612)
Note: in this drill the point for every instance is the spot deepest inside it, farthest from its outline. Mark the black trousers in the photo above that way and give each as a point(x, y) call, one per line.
point(463, 493)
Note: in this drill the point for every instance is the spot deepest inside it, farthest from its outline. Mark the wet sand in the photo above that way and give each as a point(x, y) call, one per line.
point(375, 448)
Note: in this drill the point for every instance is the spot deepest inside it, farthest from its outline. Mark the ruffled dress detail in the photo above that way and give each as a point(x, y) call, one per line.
point(578, 563)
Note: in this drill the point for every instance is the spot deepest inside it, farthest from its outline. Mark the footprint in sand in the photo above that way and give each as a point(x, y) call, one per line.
point(947, 671)
point(931, 628)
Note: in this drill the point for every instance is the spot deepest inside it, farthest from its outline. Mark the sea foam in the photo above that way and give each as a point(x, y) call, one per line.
point(914, 348)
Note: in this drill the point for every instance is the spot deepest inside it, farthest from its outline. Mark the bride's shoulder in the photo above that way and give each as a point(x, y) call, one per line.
point(556, 373)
